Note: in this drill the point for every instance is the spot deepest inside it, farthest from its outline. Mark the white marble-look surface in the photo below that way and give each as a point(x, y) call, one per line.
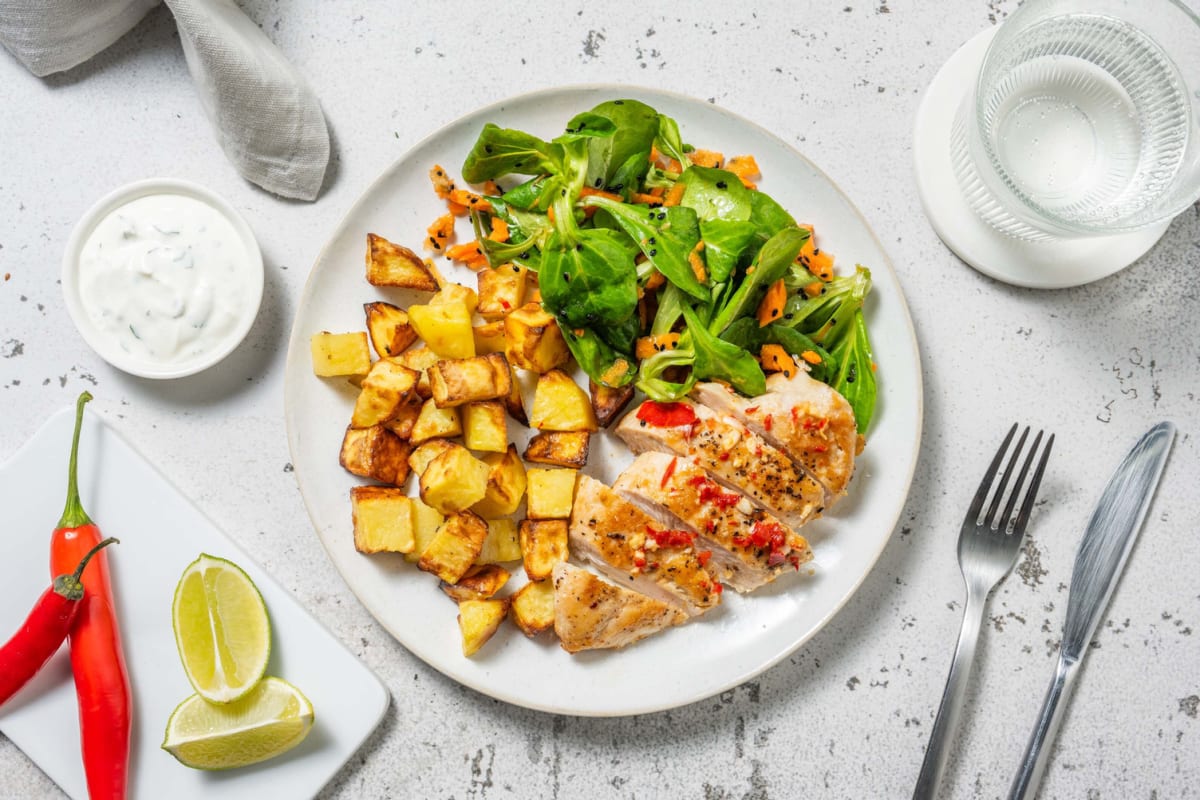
point(848, 715)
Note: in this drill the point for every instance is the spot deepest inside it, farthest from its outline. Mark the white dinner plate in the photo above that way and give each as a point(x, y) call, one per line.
point(730, 644)
point(161, 532)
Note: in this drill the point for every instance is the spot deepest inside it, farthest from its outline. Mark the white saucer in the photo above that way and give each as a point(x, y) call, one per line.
point(1053, 264)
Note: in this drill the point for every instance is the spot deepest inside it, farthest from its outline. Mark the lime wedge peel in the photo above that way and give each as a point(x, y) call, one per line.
point(221, 628)
point(271, 719)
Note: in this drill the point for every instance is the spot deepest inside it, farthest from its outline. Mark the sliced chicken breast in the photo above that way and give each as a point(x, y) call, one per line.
point(806, 419)
point(590, 613)
point(747, 546)
point(636, 552)
point(732, 454)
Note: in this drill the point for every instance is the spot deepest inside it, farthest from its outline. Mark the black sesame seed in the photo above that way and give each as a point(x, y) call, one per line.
point(487, 148)
point(653, 253)
point(599, 182)
point(618, 102)
point(722, 185)
point(579, 248)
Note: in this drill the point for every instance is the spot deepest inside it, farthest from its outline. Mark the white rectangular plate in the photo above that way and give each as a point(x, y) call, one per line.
point(161, 532)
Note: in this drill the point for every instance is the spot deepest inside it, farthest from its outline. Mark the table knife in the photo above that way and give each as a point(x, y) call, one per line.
point(1102, 554)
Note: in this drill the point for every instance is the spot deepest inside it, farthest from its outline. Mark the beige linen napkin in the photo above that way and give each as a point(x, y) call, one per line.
point(266, 118)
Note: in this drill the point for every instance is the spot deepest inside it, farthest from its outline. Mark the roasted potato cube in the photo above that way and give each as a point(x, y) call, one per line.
point(514, 404)
point(376, 453)
point(465, 380)
point(501, 290)
point(383, 519)
point(502, 543)
point(446, 328)
point(489, 337)
point(560, 405)
point(388, 325)
point(456, 293)
point(505, 484)
point(533, 341)
point(543, 544)
point(479, 620)
point(419, 459)
point(560, 448)
point(608, 403)
point(533, 607)
point(426, 522)
point(479, 583)
point(435, 423)
point(454, 547)
point(420, 359)
point(388, 387)
point(454, 480)
point(394, 265)
point(403, 424)
point(551, 493)
point(485, 426)
point(336, 355)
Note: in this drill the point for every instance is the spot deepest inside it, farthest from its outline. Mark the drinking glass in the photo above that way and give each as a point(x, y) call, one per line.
point(1084, 119)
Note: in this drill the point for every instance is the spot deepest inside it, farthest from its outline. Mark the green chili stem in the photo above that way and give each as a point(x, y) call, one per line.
point(73, 515)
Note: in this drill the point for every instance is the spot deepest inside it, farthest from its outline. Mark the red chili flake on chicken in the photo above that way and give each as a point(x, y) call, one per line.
point(711, 493)
point(668, 472)
point(768, 422)
point(723, 457)
point(697, 480)
point(718, 588)
point(666, 415)
point(703, 556)
point(507, 306)
point(673, 538)
point(751, 409)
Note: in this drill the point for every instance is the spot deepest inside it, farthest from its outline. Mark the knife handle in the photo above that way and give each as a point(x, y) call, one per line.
point(1041, 741)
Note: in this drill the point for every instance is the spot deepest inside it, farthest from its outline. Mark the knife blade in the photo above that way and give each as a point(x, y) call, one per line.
point(1102, 554)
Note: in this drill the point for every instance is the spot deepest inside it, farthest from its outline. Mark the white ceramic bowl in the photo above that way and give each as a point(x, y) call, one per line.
point(105, 346)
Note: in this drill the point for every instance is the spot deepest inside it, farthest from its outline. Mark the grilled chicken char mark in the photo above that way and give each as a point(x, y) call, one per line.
point(631, 548)
point(734, 456)
point(747, 546)
point(590, 613)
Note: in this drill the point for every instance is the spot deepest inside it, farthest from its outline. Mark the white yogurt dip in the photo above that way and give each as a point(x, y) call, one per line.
point(168, 280)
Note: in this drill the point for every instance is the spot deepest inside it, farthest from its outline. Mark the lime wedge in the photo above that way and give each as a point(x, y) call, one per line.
point(273, 718)
point(221, 629)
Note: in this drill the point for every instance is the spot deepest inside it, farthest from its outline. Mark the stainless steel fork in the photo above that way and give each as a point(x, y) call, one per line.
point(987, 550)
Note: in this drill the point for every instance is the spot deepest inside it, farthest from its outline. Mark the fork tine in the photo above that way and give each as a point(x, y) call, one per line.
point(982, 492)
point(1027, 506)
point(1008, 471)
point(1007, 517)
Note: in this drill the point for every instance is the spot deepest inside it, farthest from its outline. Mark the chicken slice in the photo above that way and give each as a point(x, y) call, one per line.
point(806, 419)
point(630, 547)
point(734, 456)
point(590, 613)
point(748, 547)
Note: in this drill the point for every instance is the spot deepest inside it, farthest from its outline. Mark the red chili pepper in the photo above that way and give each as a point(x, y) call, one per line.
point(668, 472)
point(101, 681)
point(44, 629)
point(666, 415)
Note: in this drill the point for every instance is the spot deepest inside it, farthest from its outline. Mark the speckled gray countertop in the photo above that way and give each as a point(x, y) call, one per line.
point(846, 716)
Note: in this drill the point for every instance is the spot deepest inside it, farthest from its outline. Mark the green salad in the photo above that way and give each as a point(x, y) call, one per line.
point(632, 239)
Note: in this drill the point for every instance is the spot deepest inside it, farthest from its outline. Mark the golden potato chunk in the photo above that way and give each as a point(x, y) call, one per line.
point(375, 453)
point(402, 424)
point(560, 405)
point(502, 543)
point(435, 423)
point(489, 337)
point(337, 355)
point(501, 290)
point(386, 390)
point(479, 620)
point(560, 448)
point(533, 340)
point(394, 265)
point(419, 459)
point(454, 480)
point(479, 583)
point(505, 484)
point(420, 359)
point(445, 328)
point(608, 403)
point(485, 426)
point(454, 547)
point(514, 404)
point(388, 325)
point(426, 522)
point(456, 293)
point(543, 544)
point(551, 493)
point(465, 380)
point(533, 607)
point(383, 519)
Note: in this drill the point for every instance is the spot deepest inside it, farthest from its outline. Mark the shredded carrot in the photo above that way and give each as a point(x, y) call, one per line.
point(811, 357)
point(814, 289)
point(647, 346)
point(674, 196)
point(775, 359)
point(771, 307)
point(499, 230)
point(707, 158)
point(657, 191)
point(655, 280)
point(442, 185)
point(456, 209)
point(440, 232)
point(651, 200)
point(654, 154)
point(588, 191)
point(492, 188)
point(674, 166)
point(697, 263)
point(819, 263)
point(746, 168)
point(469, 254)
point(471, 200)
point(550, 213)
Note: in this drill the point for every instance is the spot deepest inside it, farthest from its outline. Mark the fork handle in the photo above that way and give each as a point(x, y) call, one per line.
point(938, 750)
point(1037, 752)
